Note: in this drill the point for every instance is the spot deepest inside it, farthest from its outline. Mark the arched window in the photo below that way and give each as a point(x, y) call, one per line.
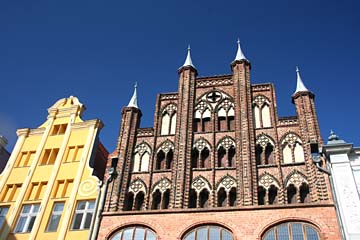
point(135, 232)
point(141, 159)
point(292, 230)
point(297, 188)
point(292, 149)
point(135, 198)
point(268, 190)
point(164, 156)
point(264, 150)
point(161, 194)
point(226, 153)
point(202, 117)
point(199, 193)
point(226, 192)
point(226, 116)
point(262, 117)
point(200, 155)
point(209, 232)
point(168, 120)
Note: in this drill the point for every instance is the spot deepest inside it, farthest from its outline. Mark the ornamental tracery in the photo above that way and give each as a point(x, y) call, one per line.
point(227, 183)
point(226, 143)
point(267, 180)
point(162, 185)
point(200, 183)
point(137, 186)
point(166, 146)
point(296, 178)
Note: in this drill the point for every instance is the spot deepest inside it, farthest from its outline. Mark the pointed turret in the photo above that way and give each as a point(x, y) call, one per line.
point(300, 87)
point(240, 57)
point(188, 61)
point(133, 101)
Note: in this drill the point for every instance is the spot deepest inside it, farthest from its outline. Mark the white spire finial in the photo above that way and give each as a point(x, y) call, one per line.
point(133, 100)
point(188, 61)
point(300, 87)
point(239, 55)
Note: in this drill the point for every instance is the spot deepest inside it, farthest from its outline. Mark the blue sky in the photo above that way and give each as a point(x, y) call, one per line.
point(96, 50)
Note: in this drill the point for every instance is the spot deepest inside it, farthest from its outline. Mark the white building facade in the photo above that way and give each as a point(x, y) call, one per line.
point(344, 162)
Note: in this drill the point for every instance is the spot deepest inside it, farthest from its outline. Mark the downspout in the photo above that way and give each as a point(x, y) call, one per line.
point(94, 229)
point(95, 220)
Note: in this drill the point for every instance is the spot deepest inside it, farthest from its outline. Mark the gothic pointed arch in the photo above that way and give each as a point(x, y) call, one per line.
point(160, 194)
point(199, 183)
point(265, 149)
point(168, 119)
point(225, 115)
point(226, 152)
point(163, 184)
point(227, 182)
point(203, 112)
point(266, 180)
point(200, 156)
point(137, 185)
point(292, 147)
point(164, 155)
point(141, 157)
point(296, 178)
point(261, 109)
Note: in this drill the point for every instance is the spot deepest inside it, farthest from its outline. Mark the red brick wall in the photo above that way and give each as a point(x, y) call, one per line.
point(245, 223)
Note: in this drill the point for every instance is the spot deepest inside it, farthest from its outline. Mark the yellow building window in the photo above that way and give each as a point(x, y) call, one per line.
point(58, 129)
point(83, 215)
point(74, 153)
point(27, 218)
point(10, 192)
point(49, 156)
point(36, 191)
point(3, 211)
point(25, 159)
point(55, 217)
point(63, 188)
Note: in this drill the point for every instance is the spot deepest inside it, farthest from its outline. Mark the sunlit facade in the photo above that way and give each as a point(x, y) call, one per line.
point(51, 182)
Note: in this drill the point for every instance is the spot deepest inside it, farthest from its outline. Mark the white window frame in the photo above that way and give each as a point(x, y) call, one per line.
point(29, 216)
point(55, 213)
point(3, 211)
point(84, 213)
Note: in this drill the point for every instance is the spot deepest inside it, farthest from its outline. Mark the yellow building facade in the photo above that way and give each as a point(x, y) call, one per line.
point(50, 186)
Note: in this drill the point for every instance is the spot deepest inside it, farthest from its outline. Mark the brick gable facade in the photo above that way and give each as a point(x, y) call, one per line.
point(219, 154)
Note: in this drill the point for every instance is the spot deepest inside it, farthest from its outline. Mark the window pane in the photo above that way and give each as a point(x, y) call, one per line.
point(117, 236)
point(3, 211)
point(311, 233)
point(31, 224)
point(297, 232)
point(150, 235)
point(202, 233)
point(20, 225)
point(54, 222)
point(88, 220)
point(58, 207)
point(190, 236)
point(283, 232)
point(91, 205)
point(214, 233)
point(26, 209)
point(128, 233)
point(77, 221)
point(81, 205)
point(225, 236)
point(35, 208)
point(139, 234)
point(270, 235)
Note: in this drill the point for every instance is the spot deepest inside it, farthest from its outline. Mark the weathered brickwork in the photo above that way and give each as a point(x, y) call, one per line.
point(219, 154)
